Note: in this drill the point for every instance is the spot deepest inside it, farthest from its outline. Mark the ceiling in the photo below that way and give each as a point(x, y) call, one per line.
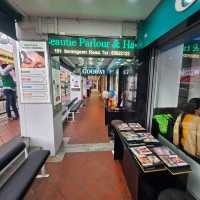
point(118, 10)
point(110, 63)
point(89, 61)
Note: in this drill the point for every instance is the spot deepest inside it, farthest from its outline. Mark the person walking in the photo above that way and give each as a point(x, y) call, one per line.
point(9, 90)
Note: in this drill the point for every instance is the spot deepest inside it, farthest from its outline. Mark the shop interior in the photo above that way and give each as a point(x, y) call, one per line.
point(100, 103)
point(110, 89)
point(114, 80)
point(6, 56)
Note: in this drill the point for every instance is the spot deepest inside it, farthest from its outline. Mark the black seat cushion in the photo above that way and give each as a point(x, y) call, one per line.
point(9, 151)
point(75, 107)
point(16, 187)
point(71, 104)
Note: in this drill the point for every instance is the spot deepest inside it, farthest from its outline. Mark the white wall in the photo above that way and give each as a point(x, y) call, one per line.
point(36, 121)
point(169, 72)
point(58, 130)
point(34, 28)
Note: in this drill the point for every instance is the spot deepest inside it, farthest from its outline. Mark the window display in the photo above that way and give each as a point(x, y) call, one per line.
point(56, 82)
point(177, 106)
point(6, 55)
point(131, 78)
point(65, 84)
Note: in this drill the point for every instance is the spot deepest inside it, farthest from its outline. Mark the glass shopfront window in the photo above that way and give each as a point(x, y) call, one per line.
point(178, 75)
point(169, 70)
point(177, 98)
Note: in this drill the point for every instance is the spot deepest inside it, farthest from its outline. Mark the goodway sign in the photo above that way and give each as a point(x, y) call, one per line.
point(182, 5)
point(93, 71)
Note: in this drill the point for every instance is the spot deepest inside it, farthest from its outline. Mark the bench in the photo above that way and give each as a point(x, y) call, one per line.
point(67, 107)
point(75, 108)
point(18, 169)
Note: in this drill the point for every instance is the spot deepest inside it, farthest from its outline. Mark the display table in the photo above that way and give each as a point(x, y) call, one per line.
point(145, 184)
point(126, 115)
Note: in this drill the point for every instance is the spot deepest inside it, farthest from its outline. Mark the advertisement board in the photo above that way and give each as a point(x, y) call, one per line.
point(33, 72)
point(75, 82)
point(56, 82)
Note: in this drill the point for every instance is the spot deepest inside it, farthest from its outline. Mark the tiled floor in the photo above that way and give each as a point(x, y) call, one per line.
point(86, 175)
point(89, 124)
point(8, 130)
point(82, 176)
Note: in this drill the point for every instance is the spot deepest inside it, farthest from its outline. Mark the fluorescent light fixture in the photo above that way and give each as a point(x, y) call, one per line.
point(187, 1)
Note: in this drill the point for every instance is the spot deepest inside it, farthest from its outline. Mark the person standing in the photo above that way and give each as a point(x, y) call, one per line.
point(9, 90)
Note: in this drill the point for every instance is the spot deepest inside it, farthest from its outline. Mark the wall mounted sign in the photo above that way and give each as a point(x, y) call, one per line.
point(165, 16)
point(92, 71)
point(193, 47)
point(181, 5)
point(91, 46)
point(75, 82)
point(56, 84)
point(33, 72)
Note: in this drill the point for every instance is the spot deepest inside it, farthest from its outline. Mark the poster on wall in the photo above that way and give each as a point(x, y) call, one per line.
point(33, 72)
point(55, 65)
point(75, 82)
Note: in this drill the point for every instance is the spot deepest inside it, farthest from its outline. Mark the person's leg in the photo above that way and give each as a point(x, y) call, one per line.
point(8, 102)
point(13, 104)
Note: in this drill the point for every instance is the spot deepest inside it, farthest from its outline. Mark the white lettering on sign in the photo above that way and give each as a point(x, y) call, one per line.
point(94, 71)
point(181, 5)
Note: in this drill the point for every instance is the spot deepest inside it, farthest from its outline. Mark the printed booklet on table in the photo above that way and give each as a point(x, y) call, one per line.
point(162, 151)
point(174, 161)
point(124, 127)
point(171, 159)
point(140, 151)
point(134, 125)
point(132, 137)
point(150, 161)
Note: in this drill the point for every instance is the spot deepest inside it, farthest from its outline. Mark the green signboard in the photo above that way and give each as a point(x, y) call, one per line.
point(91, 46)
point(93, 71)
point(193, 47)
point(167, 15)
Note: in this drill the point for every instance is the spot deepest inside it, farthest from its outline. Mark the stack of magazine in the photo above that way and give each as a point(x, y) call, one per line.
point(146, 158)
point(132, 137)
point(140, 138)
point(124, 127)
point(136, 127)
point(170, 159)
point(148, 138)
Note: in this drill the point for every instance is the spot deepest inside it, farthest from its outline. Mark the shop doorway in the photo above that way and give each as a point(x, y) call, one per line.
point(98, 72)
